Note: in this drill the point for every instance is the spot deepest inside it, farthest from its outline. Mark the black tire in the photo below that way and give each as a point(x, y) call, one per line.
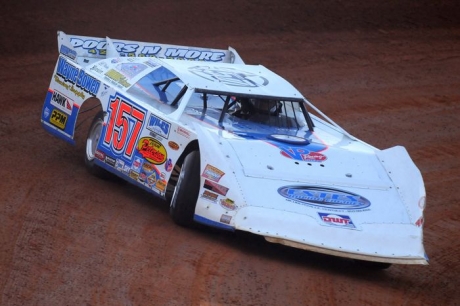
point(92, 139)
point(185, 194)
point(372, 265)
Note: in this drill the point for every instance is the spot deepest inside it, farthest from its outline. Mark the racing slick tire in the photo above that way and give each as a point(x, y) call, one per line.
point(92, 140)
point(185, 194)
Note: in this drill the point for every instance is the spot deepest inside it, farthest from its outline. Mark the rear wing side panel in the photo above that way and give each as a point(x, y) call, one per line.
point(86, 49)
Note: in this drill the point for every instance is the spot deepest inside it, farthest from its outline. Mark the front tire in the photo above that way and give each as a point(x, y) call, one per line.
point(185, 194)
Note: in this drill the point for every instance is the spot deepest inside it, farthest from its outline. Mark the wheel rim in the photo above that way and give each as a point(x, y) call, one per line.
point(93, 139)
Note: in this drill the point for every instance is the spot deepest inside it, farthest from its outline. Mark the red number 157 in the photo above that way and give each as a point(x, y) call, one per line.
point(118, 132)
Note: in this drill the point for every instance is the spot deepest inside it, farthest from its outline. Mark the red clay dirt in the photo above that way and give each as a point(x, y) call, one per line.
point(387, 71)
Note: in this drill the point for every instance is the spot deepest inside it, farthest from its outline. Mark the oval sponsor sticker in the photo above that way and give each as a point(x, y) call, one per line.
point(152, 150)
point(173, 145)
point(324, 197)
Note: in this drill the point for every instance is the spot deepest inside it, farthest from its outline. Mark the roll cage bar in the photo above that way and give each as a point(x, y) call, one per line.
point(228, 103)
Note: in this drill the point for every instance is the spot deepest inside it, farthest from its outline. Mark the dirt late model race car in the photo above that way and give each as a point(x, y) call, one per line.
point(235, 147)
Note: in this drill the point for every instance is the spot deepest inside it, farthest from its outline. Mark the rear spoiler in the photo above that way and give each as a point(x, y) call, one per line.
point(86, 49)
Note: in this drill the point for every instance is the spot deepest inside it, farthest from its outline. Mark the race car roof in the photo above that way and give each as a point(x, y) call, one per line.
point(236, 78)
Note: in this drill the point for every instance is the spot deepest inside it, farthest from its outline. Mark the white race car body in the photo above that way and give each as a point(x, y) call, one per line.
point(295, 179)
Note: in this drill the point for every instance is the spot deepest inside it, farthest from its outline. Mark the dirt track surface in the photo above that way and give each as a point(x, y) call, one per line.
point(388, 72)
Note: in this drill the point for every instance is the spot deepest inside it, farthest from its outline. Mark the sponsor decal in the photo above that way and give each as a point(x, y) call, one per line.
point(147, 167)
point(46, 112)
point(58, 119)
point(210, 196)
point(99, 155)
point(130, 69)
point(151, 63)
point(116, 78)
point(99, 47)
point(229, 76)
point(160, 185)
point(322, 197)
point(313, 157)
point(173, 145)
point(62, 102)
point(308, 153)
point(105, 90)
point(78, 77)
point(152, 179)
point(134, 175)
point(337, 220)
point(137, 163)
point(194, 55)
point(168, 165)
point(159, 126)
point(152, 150)
point(96, 69)
point(142, 176)
point(225, 219)
point(149, 174)
point(120, 164)
point(212, 173)
point(228, 204)
point(110, 161)
point(70, 53)
point(210, 185)
point(67, 71)
point(71, 88)
point(183, 132)
point(90, 45)
point(126, 169)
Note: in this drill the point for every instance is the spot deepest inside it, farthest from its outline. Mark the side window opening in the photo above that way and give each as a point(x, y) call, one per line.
point(161, 89)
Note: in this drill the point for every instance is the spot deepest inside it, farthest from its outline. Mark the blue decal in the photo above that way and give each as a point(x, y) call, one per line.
point(194, 55)
point(159, 126)
point(67, 71)
point(70, 53)
point(99, 47)
point(72, 74)
point(324, 197)
point(88, 83)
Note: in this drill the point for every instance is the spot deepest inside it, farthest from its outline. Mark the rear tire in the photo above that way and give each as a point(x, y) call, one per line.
point(185, 194)
point(92, 140)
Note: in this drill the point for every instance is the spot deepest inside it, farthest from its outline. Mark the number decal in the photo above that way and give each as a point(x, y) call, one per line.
point(123, 127)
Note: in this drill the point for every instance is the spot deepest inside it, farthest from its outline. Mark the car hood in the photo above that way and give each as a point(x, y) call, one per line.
point(314, 163)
